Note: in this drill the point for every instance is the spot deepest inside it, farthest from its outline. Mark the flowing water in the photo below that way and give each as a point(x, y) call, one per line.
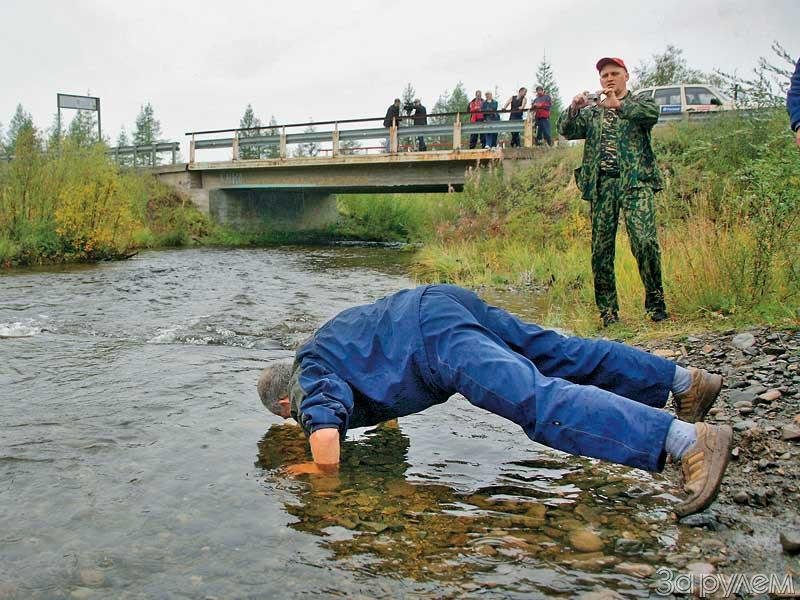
point(137, 462)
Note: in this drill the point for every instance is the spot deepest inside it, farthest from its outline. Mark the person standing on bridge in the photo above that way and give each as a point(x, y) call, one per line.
point(416, 348)
point(793, 103)
point(491, 115)
point(392, 117)
point(420, 118)
point(618, 171)
point(517, 104)
point(476, 116)
point(541, 106)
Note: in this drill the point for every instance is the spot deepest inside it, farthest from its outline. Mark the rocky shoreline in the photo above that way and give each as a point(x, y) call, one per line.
point(754, 526)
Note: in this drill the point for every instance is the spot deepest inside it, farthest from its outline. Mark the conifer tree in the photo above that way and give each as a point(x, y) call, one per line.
point(248, 121)
point(21, 121)
point(147, 131)
point(546, 79)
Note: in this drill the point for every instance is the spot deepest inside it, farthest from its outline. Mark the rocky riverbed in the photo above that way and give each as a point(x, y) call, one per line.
point(754, 526)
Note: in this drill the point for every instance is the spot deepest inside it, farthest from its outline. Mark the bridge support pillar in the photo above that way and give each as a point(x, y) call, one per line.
point(246, 209)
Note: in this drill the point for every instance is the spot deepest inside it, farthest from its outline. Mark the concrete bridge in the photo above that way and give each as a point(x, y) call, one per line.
point(299, 192)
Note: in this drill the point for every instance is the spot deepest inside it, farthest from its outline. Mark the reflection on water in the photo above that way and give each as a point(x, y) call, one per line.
point(563, 525)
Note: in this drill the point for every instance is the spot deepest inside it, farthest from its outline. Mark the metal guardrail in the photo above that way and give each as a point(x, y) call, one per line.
point(149, 150)
point(242, 137)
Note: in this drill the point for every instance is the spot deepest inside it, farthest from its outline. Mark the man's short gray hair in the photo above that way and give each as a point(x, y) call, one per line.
point(273, 384)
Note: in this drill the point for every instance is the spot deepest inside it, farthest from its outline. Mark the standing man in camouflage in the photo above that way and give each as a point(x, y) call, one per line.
point(618, 171)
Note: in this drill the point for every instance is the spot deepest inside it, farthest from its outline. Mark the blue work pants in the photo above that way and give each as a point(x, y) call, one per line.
point(585, 397)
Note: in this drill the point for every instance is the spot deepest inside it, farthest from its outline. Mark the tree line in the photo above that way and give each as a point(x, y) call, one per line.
point(81, 132)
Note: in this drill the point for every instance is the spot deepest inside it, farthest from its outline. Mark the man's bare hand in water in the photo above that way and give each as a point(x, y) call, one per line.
point(312, 468)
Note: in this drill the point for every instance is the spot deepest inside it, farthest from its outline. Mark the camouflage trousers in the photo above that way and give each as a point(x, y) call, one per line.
point(638, 207)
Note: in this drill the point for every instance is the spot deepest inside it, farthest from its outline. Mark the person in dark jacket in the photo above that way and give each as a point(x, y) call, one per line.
point(517, 104)
point(491, 115)
point(793, 103)
point(420, 118)
point(416, 348)
point(392, 114)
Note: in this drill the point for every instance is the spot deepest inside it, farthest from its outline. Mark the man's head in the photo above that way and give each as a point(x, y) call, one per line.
point(613, 75)
point(539, 90)
point(273, 388)
point(478, 94)
point(489, 96)
point(397, 101)
point(522, 91)
point(417, 102)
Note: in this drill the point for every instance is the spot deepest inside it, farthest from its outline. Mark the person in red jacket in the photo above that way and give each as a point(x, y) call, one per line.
point(541, 107)
point(476, 116)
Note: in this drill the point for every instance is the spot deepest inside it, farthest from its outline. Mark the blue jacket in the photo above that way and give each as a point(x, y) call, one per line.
point(793, 99)
point(365, 366)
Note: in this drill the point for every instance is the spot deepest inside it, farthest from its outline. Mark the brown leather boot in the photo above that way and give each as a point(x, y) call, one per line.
point(692, 406)
point(703, 466)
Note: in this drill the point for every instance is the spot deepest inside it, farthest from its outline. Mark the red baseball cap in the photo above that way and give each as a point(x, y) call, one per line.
point(610, 60)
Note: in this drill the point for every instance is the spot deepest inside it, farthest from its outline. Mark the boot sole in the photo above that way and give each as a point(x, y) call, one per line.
point(719, 462)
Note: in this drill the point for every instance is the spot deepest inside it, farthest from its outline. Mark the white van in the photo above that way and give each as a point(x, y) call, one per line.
point(686, 98)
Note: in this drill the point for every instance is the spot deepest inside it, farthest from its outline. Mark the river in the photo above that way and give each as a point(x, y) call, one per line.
point(136, 460)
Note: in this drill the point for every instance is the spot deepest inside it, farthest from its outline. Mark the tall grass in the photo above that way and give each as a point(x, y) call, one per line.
point(729, 221)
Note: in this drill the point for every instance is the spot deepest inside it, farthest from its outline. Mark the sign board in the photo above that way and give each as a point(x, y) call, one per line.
point(78, 102)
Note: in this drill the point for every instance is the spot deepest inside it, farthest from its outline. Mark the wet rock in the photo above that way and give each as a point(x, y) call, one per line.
point(584, 540)
point(743, 341)
point(790, 541)
point(703, 519)
point(601, 595)
point(701, 568)
point(91, 577)
point(628, 547)
point(640, 570)
point(743, 425)
point(743, 404)
point(741, 498)
point(735, 453)
point(80, 593)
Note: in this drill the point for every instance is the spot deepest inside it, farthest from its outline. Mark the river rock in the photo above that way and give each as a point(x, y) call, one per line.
point(703, 519)
point(737, 396)
point(743, 341)
point(629, 547)
point(790, 540)
point(91, 577)
point(701, 568)
point(743, 425)
point(741, 498)
point(790, 433)
point(584, 540)
point(635, 569)
point(770, 395)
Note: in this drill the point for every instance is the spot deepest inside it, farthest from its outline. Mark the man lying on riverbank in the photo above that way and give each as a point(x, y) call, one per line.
point(416, 348)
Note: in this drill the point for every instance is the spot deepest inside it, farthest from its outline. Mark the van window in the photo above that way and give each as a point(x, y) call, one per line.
point(667, 96)
point(698, 95)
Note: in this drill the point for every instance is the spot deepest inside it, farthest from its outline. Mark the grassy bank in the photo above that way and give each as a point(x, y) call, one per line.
point(729, 229)
point(72, 204)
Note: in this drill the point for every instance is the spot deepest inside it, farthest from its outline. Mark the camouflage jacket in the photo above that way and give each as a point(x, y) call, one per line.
point(637, 162)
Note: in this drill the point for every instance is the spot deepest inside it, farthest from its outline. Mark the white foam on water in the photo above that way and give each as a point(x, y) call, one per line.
point(19, 329)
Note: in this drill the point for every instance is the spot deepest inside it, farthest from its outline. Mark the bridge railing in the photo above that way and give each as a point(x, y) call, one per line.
point(148, 153)
point(279, 139)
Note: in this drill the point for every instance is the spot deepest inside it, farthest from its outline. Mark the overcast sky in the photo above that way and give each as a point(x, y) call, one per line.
point(199, 63)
